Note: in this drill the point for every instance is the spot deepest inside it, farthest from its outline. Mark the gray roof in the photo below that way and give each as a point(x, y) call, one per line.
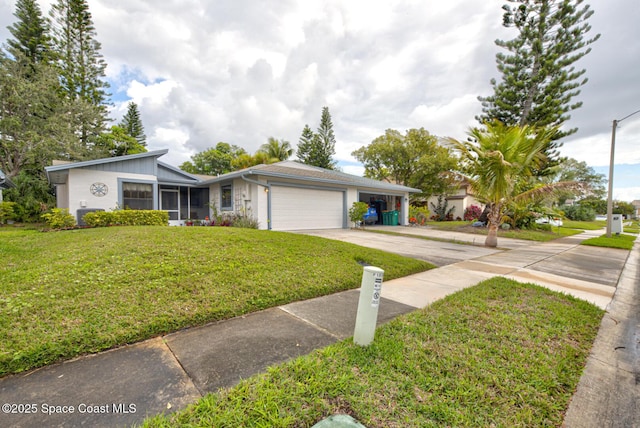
point(143, 163)
point(296, 170)
point(5, 182)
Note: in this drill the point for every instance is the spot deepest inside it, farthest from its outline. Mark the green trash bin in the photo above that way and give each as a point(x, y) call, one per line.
point(394, 218)
point(385, 218)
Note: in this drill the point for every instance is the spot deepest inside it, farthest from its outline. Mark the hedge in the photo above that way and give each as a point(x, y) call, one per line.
point(127, 218)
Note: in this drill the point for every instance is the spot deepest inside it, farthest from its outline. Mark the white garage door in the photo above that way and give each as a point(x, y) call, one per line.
point(294, 208)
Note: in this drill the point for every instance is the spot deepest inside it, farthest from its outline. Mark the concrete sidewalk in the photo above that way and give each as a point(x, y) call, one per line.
point(608, 394)
point(123, 386)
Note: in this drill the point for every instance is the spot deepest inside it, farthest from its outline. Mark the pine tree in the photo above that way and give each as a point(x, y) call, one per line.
point(326, 146)
point(318, 148)
point(30, 32)
point(30, 108)
point(304, 145)
point(81, 69)
point(132, 124)
point(539, 80)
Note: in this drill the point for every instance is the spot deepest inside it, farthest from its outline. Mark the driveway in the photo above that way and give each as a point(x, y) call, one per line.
point(563, 257)
point(437, 252)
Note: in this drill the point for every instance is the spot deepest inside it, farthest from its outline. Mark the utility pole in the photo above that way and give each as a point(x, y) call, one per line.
point(610, 194)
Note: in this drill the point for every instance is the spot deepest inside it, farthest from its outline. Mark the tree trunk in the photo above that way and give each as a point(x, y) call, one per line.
point(495, 214)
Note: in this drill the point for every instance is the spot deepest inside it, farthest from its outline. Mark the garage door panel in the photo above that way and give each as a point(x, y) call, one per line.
point(294, 208)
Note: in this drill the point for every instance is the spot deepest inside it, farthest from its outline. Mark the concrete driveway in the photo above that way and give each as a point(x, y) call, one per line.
point(440, 253)
point(563, 257)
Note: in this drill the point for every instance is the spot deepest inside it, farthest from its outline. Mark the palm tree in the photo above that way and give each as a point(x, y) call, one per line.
point(276, 149)
point(499, 162)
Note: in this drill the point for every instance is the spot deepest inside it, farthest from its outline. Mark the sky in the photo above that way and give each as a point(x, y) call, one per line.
point(241, 71)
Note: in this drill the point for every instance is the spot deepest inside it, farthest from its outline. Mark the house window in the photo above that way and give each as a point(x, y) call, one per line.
point(137, 196)
point(226, 200)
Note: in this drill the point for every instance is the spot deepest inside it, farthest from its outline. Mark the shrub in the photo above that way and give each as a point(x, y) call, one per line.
point(421, 214)
point(244, 221)
point(579, 212)
point(7, 211)
point(472, 212)
point(59, 218)
point(127, 218)
point(357, 212)
point(441, 212)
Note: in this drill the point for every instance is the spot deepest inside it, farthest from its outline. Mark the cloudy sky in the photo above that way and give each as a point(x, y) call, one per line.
point(240, 71)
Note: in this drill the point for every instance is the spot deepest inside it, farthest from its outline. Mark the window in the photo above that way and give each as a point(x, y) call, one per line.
point(137, 196)
point(226, 200)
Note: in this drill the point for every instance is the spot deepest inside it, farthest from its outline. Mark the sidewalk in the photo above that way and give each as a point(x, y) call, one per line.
point(123, 386)
point(608, 394)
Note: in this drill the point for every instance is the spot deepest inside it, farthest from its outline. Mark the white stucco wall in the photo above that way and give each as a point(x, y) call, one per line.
point(62, 196)
point(79, 183)
point(247, 197)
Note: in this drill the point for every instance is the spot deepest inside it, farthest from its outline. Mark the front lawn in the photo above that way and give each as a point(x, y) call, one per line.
point(537, 235)
point(584, 225)
point(621, 241)
point(497, 354)
point(67, 293)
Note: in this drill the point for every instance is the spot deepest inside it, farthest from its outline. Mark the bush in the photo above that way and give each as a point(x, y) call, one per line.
point(420, 214)
point(579, 212)
point(59, 218)
point(244, 221)
point(6, 211)
point(472, 212)
point(442, 212)
point(357, 212)
point(127, 218)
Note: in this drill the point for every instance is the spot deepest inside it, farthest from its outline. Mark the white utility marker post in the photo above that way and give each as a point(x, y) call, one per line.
point(367, 316)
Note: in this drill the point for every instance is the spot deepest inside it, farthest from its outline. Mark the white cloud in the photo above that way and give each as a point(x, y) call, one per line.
point(445, 120)
point(231, 71)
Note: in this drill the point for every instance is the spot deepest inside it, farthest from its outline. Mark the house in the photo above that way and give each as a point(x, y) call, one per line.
point(636, 206)
point(282, 196)
point(5, 183)
point(461, 200)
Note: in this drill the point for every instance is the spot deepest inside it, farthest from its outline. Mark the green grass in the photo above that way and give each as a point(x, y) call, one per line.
point(448, 225)
point(526, 234)
point(621, 241)
point(539, 235)
point(631, 229)
point(497, 354)
point(67, 293)
point(584, 225)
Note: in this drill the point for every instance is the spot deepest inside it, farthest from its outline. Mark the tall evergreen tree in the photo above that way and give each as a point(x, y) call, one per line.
point(305, 144)
point(318, 148)
point(30, 32)
point(30, 108)
point(326, 146)
point(81, 68)
point(539, 80)
point(132, 124)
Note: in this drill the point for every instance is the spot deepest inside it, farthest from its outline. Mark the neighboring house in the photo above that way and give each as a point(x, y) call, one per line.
point(636, 205)
point(461, 200)
point(282, 196)
point(5, 183)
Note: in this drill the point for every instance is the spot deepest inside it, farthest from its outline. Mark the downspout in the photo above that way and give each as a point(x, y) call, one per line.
point(268, 190)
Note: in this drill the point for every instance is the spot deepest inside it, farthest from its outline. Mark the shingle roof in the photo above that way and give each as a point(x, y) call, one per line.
point(5, 182)
point(296, 170)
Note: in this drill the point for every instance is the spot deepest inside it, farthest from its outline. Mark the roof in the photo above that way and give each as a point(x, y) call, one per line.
point(57, 173)
point(5, 182)
point(299, 171)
